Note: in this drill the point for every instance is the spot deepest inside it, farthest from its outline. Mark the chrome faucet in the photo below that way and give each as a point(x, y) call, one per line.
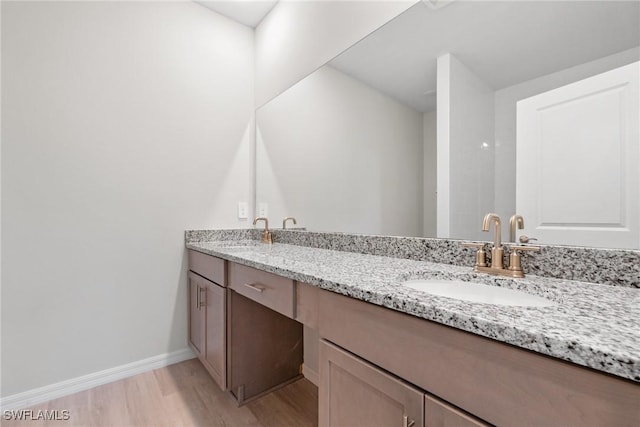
point(288, 218)
point(497, 252)
point(266, 234)
point(515, 221)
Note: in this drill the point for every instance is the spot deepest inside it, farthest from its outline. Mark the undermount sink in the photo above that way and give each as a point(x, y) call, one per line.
point(477, 292)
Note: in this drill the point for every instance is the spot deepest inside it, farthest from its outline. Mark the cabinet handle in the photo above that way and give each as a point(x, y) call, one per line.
point(198, 297)
point(406, 422)
point(202, 303)
point(257, 288)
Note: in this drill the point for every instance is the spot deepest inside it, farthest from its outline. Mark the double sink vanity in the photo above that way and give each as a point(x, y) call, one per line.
point(392, 349)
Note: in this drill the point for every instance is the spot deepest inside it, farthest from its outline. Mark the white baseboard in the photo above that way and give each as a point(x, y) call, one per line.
point(85, 382)
point(310, 374)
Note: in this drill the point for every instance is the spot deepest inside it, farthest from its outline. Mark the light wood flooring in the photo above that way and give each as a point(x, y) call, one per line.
point(180, 395)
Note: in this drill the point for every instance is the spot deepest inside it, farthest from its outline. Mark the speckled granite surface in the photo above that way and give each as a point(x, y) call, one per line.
point(191, 236)
point(593, 325)
point(602, 266)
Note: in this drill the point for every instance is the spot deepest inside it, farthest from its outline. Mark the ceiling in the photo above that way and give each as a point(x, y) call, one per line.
point(247, 12)
point(504, 43)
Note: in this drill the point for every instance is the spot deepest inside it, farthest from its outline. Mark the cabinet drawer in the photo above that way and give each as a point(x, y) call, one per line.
point(207, 266)
point(268, 289)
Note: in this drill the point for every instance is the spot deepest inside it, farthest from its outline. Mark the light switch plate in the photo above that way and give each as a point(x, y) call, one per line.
point(263, 209)
point(243, 210)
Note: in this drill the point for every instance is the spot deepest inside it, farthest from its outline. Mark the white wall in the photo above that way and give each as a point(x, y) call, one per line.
point(430, 175)
point(340, 156)
point(465, 135)
point(1, 199)
point(297, 37)
point(505, 121)
point(123, 124)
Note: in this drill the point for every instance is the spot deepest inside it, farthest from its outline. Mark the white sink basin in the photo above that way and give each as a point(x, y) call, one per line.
point(477, 292)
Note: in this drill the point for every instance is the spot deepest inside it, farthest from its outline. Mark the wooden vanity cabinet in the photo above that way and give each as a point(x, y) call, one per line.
point(244, 334)
point(381, 367)
point(353, 392)
point(207, 314)
point(496, 382)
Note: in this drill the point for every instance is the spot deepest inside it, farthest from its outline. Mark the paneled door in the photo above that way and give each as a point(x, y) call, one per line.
point(354, 393)
point(196, 313)
point(578, 161)
point(215, 353)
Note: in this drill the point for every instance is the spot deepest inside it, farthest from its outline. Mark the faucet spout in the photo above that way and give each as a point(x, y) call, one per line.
point(486, 224)
point(497, 253)
point(289, 218)
point(515, 221)
point(261, 218)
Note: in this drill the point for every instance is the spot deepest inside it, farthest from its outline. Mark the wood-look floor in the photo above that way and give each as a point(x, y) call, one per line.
point(180, 395)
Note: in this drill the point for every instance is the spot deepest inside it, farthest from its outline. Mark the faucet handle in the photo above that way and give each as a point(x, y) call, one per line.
point(481, 255)
point(515, 260)
point(526, 239)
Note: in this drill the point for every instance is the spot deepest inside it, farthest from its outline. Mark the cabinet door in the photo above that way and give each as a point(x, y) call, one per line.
point(354, 393)
point(440, 414)
point(196, 313)
point(215, 331)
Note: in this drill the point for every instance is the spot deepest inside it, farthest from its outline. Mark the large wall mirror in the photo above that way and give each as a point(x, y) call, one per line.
point(414, 131)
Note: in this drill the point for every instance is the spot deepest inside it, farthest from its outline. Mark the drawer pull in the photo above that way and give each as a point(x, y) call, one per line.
point(257, 288)
point(406, 422)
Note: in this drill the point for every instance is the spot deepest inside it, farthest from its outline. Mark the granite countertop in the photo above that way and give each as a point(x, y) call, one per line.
point(593, 325)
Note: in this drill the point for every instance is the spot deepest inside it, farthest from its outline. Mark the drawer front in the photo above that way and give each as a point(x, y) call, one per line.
point(268, 289)
point(207, 266)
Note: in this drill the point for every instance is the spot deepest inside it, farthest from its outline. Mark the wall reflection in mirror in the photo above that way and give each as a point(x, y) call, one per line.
point(420, 128)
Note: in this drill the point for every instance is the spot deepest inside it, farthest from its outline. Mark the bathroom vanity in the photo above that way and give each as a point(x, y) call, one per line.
point(390, 355)
point(241, 326)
